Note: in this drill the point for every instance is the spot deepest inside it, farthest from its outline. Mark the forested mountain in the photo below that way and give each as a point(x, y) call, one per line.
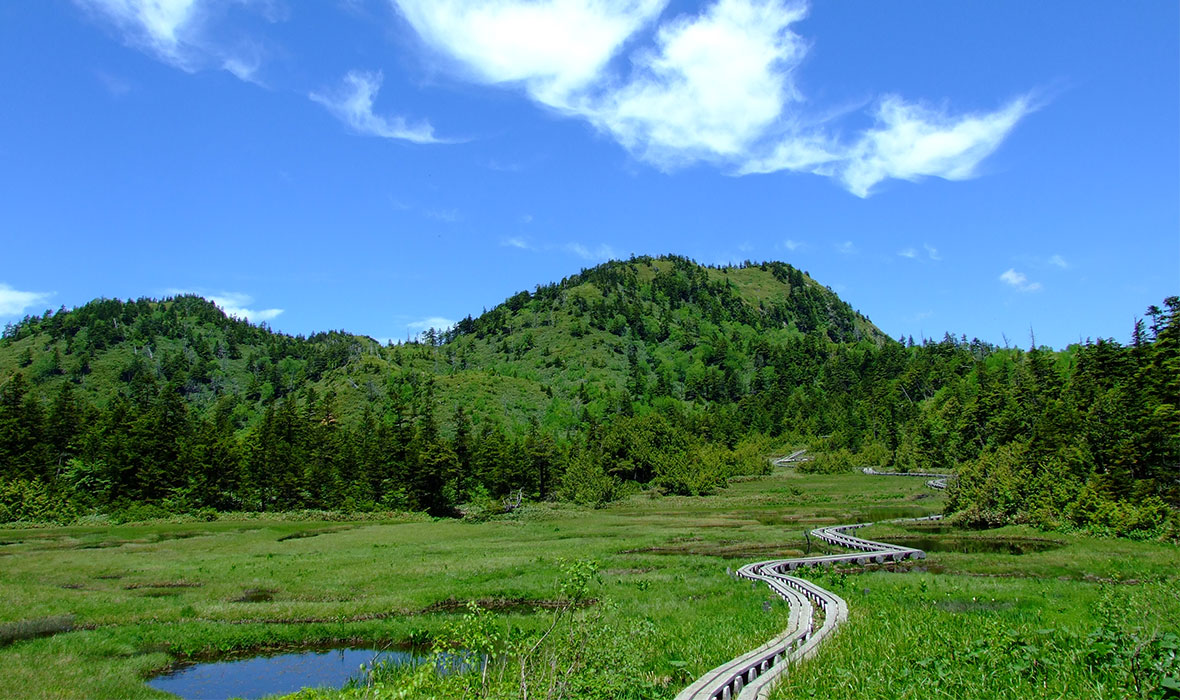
point(651, 371)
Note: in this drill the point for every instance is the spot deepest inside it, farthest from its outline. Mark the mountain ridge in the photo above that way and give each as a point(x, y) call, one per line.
point(590, 319)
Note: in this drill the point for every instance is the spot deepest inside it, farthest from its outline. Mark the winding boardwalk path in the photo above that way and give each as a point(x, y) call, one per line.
point(936, 481)
point(792, 459)
point(751, 675)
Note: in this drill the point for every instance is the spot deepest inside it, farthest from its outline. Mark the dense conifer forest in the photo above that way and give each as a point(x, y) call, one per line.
point(651, 373)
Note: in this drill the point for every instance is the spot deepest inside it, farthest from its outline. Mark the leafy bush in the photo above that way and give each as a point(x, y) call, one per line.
point(586, 482)
point(1149, 517)
point(873, 454)
point(32, 501)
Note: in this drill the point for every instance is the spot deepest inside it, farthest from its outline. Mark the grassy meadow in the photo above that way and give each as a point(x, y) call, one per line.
point(116, 604)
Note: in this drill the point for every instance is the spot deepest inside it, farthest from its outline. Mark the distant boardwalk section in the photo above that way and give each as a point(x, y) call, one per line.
point(935, 481)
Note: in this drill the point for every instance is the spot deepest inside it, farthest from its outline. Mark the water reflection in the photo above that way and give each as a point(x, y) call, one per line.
point(261, 676)
point(876, 514)
point(978, 545)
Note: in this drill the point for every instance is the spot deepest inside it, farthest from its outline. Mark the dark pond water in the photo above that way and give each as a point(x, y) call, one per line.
point(933, 528)
point(268, 675)
point(876, 514)
point(940, 527)
point(977, 545)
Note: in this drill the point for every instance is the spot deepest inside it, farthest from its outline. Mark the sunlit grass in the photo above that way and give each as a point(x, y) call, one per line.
point(144, 596)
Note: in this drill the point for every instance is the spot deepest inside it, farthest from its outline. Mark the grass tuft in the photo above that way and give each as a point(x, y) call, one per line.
point(31, 629)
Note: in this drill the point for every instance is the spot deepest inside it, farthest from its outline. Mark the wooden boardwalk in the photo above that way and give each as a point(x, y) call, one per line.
point(751, 675)
point(792, 459)
point(935, 481)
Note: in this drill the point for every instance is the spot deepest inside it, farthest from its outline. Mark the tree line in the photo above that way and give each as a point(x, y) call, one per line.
point(650, 373)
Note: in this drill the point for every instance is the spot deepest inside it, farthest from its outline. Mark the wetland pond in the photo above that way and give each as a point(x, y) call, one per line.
point(977, 545)
point(261, 676)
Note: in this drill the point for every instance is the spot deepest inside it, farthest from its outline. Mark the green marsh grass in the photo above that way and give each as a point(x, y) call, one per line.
point(146, 596)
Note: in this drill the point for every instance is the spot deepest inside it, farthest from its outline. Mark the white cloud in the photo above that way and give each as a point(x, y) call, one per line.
point(184, 33)
point(438, 323)
point(718, 86)
point(158, 25)
point(352, 104)
point(798, 152)
point(516, 242)
point(599, 254)
point(234, 304)
point(555, 48)
point(244, 68)
point(504, 167)
point(911, 141)
point(793, 245)
point(1058, 261)
point(447, 216)
point(913, 254)
point(712, 87)
point(113, 84)
point(13, 302)
point(1019, 280)
point(908, 142)
point(845, 248)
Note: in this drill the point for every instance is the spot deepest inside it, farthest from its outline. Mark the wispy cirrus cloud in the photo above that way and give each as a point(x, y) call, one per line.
point(447, 216)
point(913, 254)
point(599, 253)
point(1058, 261)
point(591, 253)
point(517, 242)
point(161, 26)
point(115, 85)
point(352, 103)
point(846, 248)
point(14, 302)
point(184, 33)
point(1019, 281)
point(793, 245)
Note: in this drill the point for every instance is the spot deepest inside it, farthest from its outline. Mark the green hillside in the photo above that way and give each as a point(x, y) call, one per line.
point(651, 373)
point(668, 323)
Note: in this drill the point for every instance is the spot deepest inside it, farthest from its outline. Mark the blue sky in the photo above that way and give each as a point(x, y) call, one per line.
point(983, 168)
